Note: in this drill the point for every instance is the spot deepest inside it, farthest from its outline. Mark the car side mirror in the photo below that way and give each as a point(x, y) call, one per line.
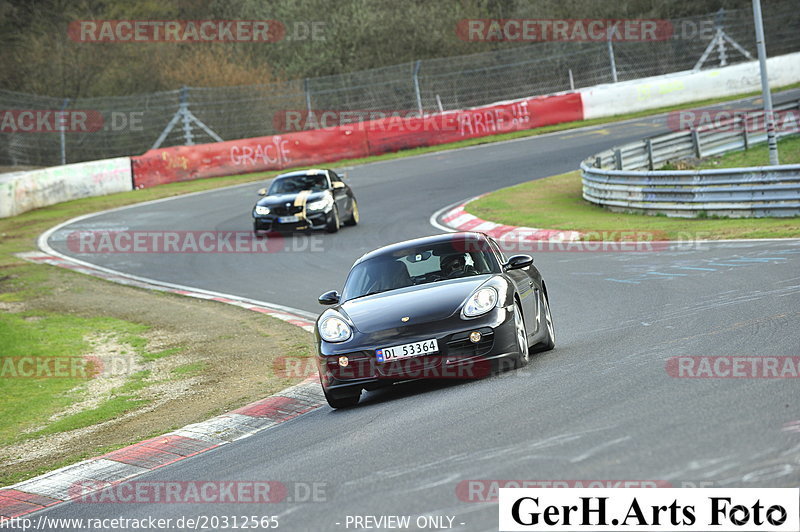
point(262, 192)
point(338, 184)
point(329, 298)
point(518, 262)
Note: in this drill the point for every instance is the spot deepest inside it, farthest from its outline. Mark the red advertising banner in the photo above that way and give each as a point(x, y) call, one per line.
point(360, 139)
point(393, 134)
point(184, 163)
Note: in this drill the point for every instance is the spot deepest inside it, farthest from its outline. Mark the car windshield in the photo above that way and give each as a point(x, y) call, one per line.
point(419, 265)
point(294, 184)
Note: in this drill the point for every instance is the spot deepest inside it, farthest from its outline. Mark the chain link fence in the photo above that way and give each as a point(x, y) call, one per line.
point(134, 124)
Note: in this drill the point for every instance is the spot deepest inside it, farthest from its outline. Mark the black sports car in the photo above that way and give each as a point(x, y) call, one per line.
point(308, 199)
point(445, 306)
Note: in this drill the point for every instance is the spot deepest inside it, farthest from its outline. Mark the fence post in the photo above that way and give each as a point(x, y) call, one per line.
point(696, 143)
point(417, 66)
point(308, 95)
point(649, 145)
point(61, 127)
point(611, 58)
point(187, 123)
point(618, 159)
point(571, 81)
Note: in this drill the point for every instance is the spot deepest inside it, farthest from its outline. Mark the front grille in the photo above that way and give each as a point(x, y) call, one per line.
point(282, 210)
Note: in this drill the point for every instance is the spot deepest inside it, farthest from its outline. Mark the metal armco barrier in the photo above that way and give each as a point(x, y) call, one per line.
point(622, 179)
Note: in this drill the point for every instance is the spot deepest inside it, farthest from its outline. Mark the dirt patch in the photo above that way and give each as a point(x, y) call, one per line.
point(232, 347)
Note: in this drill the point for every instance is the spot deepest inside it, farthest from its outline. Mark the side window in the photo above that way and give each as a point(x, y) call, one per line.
point(334, 176)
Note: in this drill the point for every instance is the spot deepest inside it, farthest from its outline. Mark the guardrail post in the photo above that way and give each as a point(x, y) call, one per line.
point(618, 159)
point(649, 145)
point(598, 162)
point(696, 143)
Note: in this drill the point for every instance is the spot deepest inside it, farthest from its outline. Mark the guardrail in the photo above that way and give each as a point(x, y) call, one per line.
point(622, 179)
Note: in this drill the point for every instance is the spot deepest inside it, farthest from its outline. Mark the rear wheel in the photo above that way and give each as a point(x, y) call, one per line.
point(523, 353)
point(354, 217)
point(333, 223)
point(346, 401)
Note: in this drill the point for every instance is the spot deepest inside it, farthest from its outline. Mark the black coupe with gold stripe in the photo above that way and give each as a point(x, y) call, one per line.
point(306, 200)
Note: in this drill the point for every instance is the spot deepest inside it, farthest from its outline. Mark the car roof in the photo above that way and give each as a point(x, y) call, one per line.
point(469, 236)
point(310, 171)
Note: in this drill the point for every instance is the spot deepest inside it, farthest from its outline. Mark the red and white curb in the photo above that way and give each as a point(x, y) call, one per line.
point(458, 219)
point(61, 485)
point(58, 486)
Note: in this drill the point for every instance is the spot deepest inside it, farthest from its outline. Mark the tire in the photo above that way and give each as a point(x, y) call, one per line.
point(549, 341)
point(523, 352)
point(334, 223)
point(347, 401)
point(256, 231)
point(354, 216)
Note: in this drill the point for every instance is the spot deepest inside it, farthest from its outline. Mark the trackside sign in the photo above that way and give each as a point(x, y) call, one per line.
point(642, 509)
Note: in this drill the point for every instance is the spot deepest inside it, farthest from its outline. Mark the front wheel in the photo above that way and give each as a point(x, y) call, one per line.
point(523, 353)
point(333, 223)
point(342, 402)
point(354, 217)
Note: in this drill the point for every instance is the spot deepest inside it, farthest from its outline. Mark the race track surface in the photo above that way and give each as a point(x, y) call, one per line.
point(600, 406)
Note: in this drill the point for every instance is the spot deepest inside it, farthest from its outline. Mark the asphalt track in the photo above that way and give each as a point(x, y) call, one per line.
point(600, 406)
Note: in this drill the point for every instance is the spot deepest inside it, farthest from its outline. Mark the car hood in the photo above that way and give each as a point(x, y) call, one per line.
point(421, 304)
point(283, 199)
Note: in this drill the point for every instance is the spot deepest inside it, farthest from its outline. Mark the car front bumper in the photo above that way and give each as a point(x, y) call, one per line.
point(269, 222)
point(458, 357)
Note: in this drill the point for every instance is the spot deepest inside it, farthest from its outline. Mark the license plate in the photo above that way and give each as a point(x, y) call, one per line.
point(288, 219)
point(426, 347)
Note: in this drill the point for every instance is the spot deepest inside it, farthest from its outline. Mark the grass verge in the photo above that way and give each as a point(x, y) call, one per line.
point(556, 203)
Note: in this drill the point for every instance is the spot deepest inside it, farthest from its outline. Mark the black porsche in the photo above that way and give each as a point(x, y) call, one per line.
point(306, 199)
point(445, 306)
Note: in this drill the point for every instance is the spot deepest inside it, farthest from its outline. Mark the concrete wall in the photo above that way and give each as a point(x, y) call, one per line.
point(24, 191)
point(686, 87)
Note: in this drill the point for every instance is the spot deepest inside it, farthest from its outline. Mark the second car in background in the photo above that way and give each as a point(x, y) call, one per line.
point(307, 199)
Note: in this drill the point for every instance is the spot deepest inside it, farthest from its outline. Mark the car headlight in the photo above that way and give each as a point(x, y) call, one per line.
point(320, 205)
point(260, 209)
point(334, 329)
point(480, 302)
